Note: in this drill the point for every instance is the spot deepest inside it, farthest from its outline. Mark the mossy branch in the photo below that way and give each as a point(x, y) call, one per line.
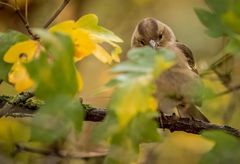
point(25, 105)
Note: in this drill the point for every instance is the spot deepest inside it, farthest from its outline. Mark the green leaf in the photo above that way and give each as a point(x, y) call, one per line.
point(109, 126)
point(225, 150)
point(223, 19)
point(211, 21)
point(126, 141)
point(90, 22)
point(136, 76)
point(121, 144)
point(146, 130)
point(132, 105)
point(7, 40)
point(63, 113)
point(142, 63)
point(233, 46)
point(220, 6)
point(54, 71)
point(236, 8)
point(131, 67)
point(232, 20)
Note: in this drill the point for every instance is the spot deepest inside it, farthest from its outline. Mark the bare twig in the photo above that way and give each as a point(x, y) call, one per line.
point(59, 10)
point(22, 18)
point(8, 5)
point(26, 10)
point(229, 90)
point(8, 107)
point(231, 109)
point(223, 68)
point(22, 148)
point(26, 24)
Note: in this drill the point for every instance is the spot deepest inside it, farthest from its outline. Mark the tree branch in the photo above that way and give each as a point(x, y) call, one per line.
point(59, 10)
point(25, 105)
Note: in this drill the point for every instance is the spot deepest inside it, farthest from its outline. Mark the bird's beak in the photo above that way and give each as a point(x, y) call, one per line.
point(153, 44)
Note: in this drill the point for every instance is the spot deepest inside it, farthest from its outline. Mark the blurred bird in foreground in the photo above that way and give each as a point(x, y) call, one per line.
point(176, 87)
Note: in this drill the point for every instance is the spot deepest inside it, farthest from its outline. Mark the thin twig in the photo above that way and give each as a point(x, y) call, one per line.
point(59, 10)
point(8, 5)
point(45, 152)
point(215, 64)
point(22, 18)
point(229, 90)
point(26, 10)
point(26, 24)
point(231, 109)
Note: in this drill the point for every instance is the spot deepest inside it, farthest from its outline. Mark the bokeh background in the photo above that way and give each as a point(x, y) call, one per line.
point(121, 16)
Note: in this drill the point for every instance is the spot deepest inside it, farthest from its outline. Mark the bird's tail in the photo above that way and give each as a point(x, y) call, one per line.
point(193, 112)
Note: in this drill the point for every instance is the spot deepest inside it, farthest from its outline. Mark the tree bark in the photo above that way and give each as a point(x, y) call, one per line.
point(24, 105)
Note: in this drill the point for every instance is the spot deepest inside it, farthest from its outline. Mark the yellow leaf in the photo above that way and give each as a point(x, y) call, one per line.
point(132, 100)
point(65, 27)
point(79, 80)
point(126, 110)
point(23, 51)
point(102, 55)
point(100, 34)
point(88, 20)
point(84, 45)
point(116, 52)
point(19, 77)
point(152, 104)
point(86, 34)
point(12, 131)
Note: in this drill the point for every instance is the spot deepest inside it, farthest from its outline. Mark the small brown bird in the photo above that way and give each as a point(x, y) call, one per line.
point(176, 87)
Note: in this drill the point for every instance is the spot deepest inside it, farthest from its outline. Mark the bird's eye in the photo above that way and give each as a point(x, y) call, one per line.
point(142, 42)
point(160, 36)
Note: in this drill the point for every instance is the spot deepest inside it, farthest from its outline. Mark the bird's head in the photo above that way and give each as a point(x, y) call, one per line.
point(152, 32)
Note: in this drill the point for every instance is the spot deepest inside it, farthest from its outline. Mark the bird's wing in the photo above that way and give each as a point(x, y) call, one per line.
point(191, 111)
point(189, 55)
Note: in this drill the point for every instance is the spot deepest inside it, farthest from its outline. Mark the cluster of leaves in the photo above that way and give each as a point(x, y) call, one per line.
point(47, 68)
point(225, 150)
point(223, 20)
point(85, 34)
point(130, 120)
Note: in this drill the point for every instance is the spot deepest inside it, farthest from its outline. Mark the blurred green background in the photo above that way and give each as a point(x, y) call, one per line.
point(121, 16)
